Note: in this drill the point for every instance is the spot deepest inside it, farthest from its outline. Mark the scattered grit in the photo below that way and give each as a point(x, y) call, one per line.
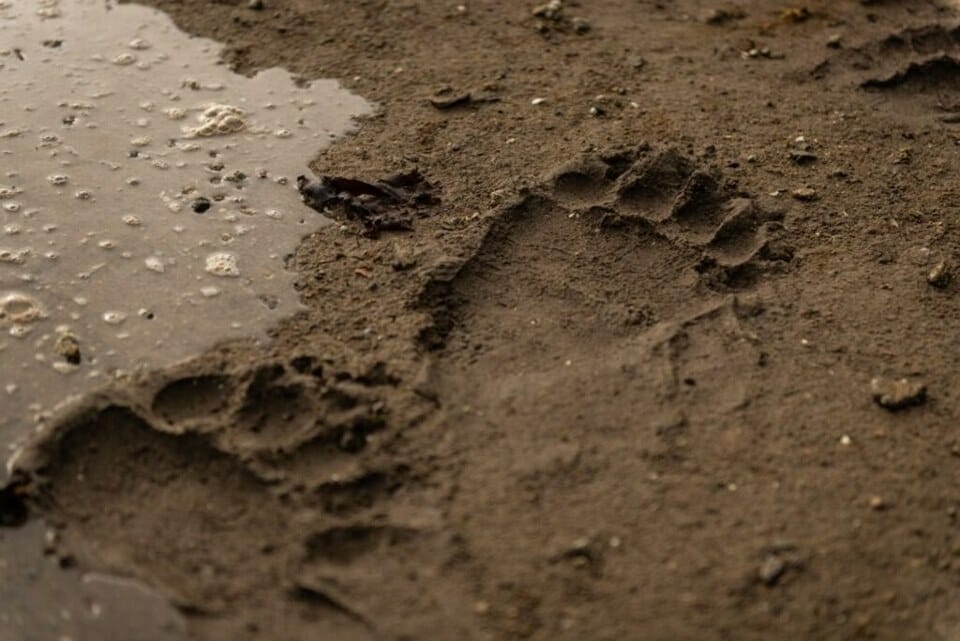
point(615, 380)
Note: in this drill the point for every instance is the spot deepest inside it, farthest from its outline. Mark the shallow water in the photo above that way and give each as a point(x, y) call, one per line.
point(147, 204)
point(41, 602)
point(147, 197)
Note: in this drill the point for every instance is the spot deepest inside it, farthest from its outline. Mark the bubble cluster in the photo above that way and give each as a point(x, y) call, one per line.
point(218, 120)
point(223, 264)
point(19, 309)
point(14, 256)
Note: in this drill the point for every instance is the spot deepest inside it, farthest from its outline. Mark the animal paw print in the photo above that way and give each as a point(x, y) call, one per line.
point(236, 458)
point(917, 63)
point(302, 419)
point(673, 198)
point(608, 245)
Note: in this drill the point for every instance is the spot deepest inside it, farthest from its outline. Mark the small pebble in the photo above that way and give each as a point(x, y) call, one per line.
point(941, 275)
point(772, 569)
point(897, 394)
point(802, 157)
point(721, 16)
point(551, 10)
point(805, 194)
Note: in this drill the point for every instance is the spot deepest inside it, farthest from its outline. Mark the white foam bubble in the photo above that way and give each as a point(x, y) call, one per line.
point(219, 120)
point(155, 264)
point(223, 264)
point(114, 317)
point(17, 307)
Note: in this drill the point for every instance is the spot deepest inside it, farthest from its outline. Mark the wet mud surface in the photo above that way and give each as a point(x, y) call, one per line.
point(667, 354)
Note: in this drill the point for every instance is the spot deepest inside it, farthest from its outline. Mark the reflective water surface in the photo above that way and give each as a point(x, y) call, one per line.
point(147, 197)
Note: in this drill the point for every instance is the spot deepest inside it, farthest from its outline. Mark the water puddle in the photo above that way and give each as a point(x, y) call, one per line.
point(39, 601)
point(147, 197)
point(147, 203)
